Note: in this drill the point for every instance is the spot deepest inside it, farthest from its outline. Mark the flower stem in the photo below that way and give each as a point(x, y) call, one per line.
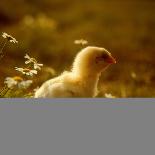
point(3, 45)
point(3, 91)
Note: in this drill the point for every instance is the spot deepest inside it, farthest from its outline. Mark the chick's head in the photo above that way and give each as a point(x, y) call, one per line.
point(94, 59)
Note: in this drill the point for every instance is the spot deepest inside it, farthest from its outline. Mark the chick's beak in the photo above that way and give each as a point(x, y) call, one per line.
point(110, 60)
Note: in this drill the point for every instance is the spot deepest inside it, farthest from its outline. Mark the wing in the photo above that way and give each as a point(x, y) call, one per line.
point(58, 90)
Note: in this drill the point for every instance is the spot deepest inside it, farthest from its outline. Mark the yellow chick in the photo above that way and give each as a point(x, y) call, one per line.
point(83, 78)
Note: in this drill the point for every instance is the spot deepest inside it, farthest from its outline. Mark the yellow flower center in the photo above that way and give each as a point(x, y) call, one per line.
point(17, 78)
point(26, 70)
point(9, 38)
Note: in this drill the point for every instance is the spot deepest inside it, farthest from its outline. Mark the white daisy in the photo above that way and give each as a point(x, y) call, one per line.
point(30, 60)
point(11, 82)
point(25, 84)
point(109, 95)
point(9, 37)
point(18, 82)
point(34, 61)
point(37, 66)
point(81, 41)
point(26, 71)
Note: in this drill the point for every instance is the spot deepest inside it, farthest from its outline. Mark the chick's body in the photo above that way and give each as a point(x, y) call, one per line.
point(66, 85)
point(82, 80)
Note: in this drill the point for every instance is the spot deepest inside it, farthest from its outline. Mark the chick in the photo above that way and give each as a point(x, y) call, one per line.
point(83, 78)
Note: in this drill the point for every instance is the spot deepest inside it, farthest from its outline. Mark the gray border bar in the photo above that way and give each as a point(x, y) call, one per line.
point(77, 100)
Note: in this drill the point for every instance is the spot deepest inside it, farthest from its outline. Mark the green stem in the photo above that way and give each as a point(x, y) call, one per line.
point(3, 91)
point(1, 51)
point(5, 42)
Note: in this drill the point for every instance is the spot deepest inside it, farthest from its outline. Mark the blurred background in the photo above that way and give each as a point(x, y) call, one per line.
point(47, 29)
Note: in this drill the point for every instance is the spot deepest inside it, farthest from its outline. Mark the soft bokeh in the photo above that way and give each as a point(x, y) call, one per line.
point(47, 29)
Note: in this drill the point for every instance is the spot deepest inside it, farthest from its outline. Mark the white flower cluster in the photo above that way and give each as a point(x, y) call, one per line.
point(9, 37)
point(81, 41)
point(31, 68)
point(18, 82)
point(32, 60)
point(109, 95)
point(28, 71)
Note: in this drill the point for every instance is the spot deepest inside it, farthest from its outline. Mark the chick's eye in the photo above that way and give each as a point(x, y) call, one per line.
point(104, 56)
point(101, 58)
